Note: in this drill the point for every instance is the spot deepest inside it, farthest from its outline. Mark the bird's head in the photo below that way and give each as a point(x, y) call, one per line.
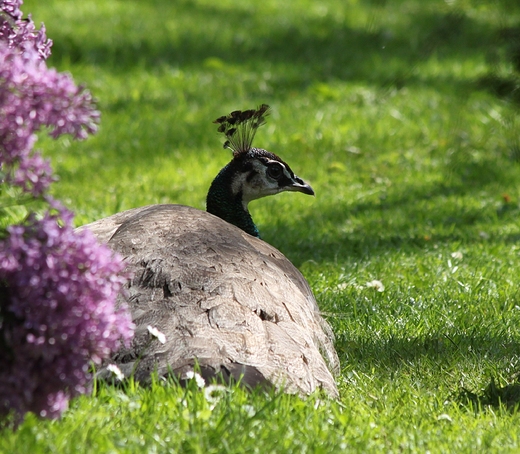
point(252, 173)
point(260, 173)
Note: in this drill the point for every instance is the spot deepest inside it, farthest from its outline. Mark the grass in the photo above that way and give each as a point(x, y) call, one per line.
point(403, 114)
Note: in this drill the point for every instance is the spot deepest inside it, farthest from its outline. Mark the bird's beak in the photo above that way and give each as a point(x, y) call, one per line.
point(298, 185)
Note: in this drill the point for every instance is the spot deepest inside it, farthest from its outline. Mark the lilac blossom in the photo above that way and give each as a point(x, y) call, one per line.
point(58, 287)
point(57, 313)
point(33, 96)
point(15, 31)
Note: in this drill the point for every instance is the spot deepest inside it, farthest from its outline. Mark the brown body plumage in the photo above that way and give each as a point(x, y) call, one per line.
point(222, 298)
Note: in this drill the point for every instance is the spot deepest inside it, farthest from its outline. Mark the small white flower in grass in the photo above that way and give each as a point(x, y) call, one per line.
point(249, 410)
point(198, 379)
point(157, 334)
point(213, 393)
point(116, 372)
point(444, 417)
point(376, 284)
point(457, 255)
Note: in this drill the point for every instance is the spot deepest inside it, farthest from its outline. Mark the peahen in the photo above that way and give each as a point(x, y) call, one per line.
point(229, 305)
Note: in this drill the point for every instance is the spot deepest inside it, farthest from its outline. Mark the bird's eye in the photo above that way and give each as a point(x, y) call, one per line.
point(274, 170)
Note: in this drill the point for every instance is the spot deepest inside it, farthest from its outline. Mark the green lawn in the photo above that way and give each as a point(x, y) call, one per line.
point(404, 116)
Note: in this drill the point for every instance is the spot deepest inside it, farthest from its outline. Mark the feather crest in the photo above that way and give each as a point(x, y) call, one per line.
point(240, 127)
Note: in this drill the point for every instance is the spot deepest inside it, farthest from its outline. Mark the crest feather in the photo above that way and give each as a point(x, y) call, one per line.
point(240, 127)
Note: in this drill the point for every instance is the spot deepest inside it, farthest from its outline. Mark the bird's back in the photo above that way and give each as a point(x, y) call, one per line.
point(225, 300)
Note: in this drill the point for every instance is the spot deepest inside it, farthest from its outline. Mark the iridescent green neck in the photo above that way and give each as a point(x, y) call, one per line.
point(222, 202)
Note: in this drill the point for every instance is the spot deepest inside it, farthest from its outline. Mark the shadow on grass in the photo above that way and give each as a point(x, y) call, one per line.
point(393, 351)
point(313, 48)
point(407, 219)
point(506, 87)
point(491, 396)
point(396, 355)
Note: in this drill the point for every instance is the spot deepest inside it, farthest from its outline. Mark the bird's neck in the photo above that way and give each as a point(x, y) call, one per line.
point(226, 202)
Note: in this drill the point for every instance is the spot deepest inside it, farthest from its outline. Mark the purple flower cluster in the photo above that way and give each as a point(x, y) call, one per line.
point(58, 287)
point(57, 313)
point(33, 96)
point(15, 32)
